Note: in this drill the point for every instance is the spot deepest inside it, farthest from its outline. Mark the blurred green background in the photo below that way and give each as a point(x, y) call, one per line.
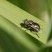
point(34, 7)
point(42, 9)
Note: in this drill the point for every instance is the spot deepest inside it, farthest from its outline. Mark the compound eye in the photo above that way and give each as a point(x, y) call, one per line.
point(26, 21)
point(30, 23)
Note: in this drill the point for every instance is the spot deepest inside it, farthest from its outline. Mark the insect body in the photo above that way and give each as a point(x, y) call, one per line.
point(30, 25)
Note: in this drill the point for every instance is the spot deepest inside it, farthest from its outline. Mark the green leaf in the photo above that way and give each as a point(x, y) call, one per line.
point(17, 15)
point(12, 34)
